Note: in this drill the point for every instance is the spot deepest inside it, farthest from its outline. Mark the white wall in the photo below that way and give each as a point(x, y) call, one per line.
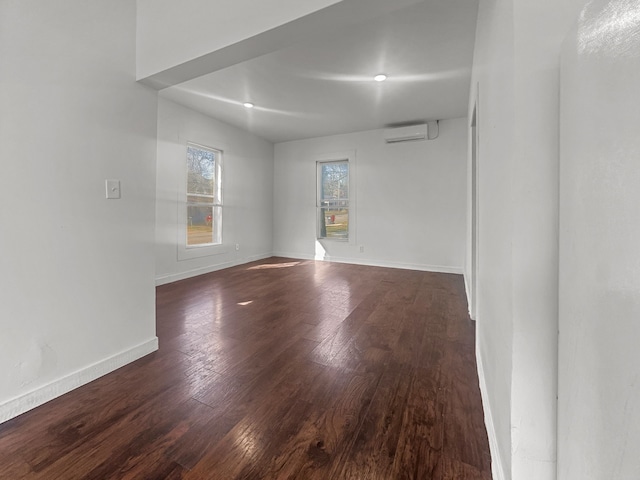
point(599, 389)
point(539, 30)
point(409, 206)
point(516, 68)
point(76, 271)
point(492, 77)
point(171, 33)
point(247, 191)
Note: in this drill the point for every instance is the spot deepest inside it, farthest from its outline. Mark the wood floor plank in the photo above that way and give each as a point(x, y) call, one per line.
point(278, 369)
point(335, 427)
point(64, 427)
point(374, 449)
point(462, 418)
point(421, 439)
point(450, 469)
point(101, 454)
point(248, 447)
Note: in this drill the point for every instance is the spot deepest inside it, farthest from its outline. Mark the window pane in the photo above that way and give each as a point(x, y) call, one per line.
point(199, 225)
point(335, 181)
point(200, 171)
point(334, 223)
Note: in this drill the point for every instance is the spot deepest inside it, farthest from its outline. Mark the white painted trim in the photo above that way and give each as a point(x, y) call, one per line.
point(28, 401)
point(467, 291)
point(496, 460)
point(297, 256)
point(174, 277)
point(350, 157)
point(165, 279)
point(376, 263)
point(405, 266)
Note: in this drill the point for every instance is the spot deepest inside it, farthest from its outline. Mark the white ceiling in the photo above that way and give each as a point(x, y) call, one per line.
point(325, 85)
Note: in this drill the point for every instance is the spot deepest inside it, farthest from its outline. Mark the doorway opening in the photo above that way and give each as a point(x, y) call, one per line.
point(473, 301)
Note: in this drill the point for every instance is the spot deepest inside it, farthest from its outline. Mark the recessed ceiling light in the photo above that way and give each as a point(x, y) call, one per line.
point(248, 105)
point(381, 77)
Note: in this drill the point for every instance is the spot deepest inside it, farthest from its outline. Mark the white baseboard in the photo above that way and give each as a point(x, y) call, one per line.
point(496, 460)
point(174, 277)
point(467, 291)
point(161, 280)
point(375, 263)
point(297, 256)
point(23, 403)
point(405, 266)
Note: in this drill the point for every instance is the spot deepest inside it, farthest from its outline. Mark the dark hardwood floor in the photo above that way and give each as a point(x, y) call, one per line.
point(280, 369)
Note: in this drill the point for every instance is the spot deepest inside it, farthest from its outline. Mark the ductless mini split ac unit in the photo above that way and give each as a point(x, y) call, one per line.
point(406, 134)
point(410, 133)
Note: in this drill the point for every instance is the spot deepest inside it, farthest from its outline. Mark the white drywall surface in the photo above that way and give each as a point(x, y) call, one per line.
point(247, 192)
point(408, 204)
point(170, 33)
point(599, 375)
point(493, 77)
point(516, 67)
point(76, 270)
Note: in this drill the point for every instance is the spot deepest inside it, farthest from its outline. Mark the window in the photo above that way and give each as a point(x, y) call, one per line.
point(204, 196)
point(333, 200)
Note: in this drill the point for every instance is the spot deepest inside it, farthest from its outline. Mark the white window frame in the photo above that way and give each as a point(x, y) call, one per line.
point(349, 159)
point(186, 252)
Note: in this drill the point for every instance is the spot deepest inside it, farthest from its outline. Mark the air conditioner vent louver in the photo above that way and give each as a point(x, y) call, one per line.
point(406, 134)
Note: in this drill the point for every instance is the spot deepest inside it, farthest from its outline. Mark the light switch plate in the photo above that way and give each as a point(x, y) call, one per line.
point(113, 188)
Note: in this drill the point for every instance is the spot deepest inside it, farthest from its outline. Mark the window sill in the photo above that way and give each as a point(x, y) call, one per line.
point(325, 239)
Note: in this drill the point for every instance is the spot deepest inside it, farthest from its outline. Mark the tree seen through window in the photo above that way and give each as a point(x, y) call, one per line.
point(204, 206)
point(333, 201)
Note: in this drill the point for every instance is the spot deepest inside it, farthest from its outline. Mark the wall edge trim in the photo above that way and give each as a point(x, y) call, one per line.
point(376, 263)
point(497, 470)
point(467, 291)
point(56, 388)
point(174, 277)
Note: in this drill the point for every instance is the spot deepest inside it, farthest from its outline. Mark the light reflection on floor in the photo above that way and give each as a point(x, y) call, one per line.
point(274, 265)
